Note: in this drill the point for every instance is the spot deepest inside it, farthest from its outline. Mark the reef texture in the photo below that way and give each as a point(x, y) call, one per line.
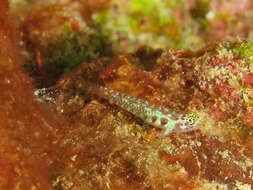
point(56, 37)
point(174, 23)
point(112, 148)
point(69, 138)
point(28, 130)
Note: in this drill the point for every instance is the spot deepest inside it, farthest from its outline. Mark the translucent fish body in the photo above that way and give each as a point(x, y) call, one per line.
point(152, 114)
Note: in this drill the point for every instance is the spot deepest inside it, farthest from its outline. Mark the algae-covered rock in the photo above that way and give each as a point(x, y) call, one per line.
point(56, 38)
point(68, 136)
point(214, 155)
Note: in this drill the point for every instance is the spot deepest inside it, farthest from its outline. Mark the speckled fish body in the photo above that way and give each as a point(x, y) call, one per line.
point(152, 114)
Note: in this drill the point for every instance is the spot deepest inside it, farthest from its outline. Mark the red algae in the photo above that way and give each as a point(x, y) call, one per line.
point(109, 147)
point(249, 149)
point(28, 130)
point(213, 160)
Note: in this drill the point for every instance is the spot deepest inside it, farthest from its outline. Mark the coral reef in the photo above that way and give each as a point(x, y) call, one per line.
point(56, 38)
point(123, 152)
point(174, 23)
point(225, 78)
point(162, 24)
point(74, 136)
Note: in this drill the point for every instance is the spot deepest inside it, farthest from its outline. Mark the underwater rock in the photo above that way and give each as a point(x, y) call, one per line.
point(66, 137)
point(218, 154)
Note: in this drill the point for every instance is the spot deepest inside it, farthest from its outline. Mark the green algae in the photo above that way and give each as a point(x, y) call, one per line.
point(158, 25)
point(242, 49)
point(72, 49)
point(200, 11)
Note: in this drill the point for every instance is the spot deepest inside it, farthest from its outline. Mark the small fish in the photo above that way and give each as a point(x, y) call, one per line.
point(152, 114)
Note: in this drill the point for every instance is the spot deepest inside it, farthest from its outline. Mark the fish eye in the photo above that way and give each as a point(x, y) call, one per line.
point(191, 120)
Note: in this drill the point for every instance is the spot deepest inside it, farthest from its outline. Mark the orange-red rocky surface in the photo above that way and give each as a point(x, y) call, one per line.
point(229, 19)
point(28, 130)
point(73, 140)
point(112, 148)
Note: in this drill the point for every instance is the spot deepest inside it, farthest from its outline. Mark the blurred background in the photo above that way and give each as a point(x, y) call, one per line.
point(59, 35)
